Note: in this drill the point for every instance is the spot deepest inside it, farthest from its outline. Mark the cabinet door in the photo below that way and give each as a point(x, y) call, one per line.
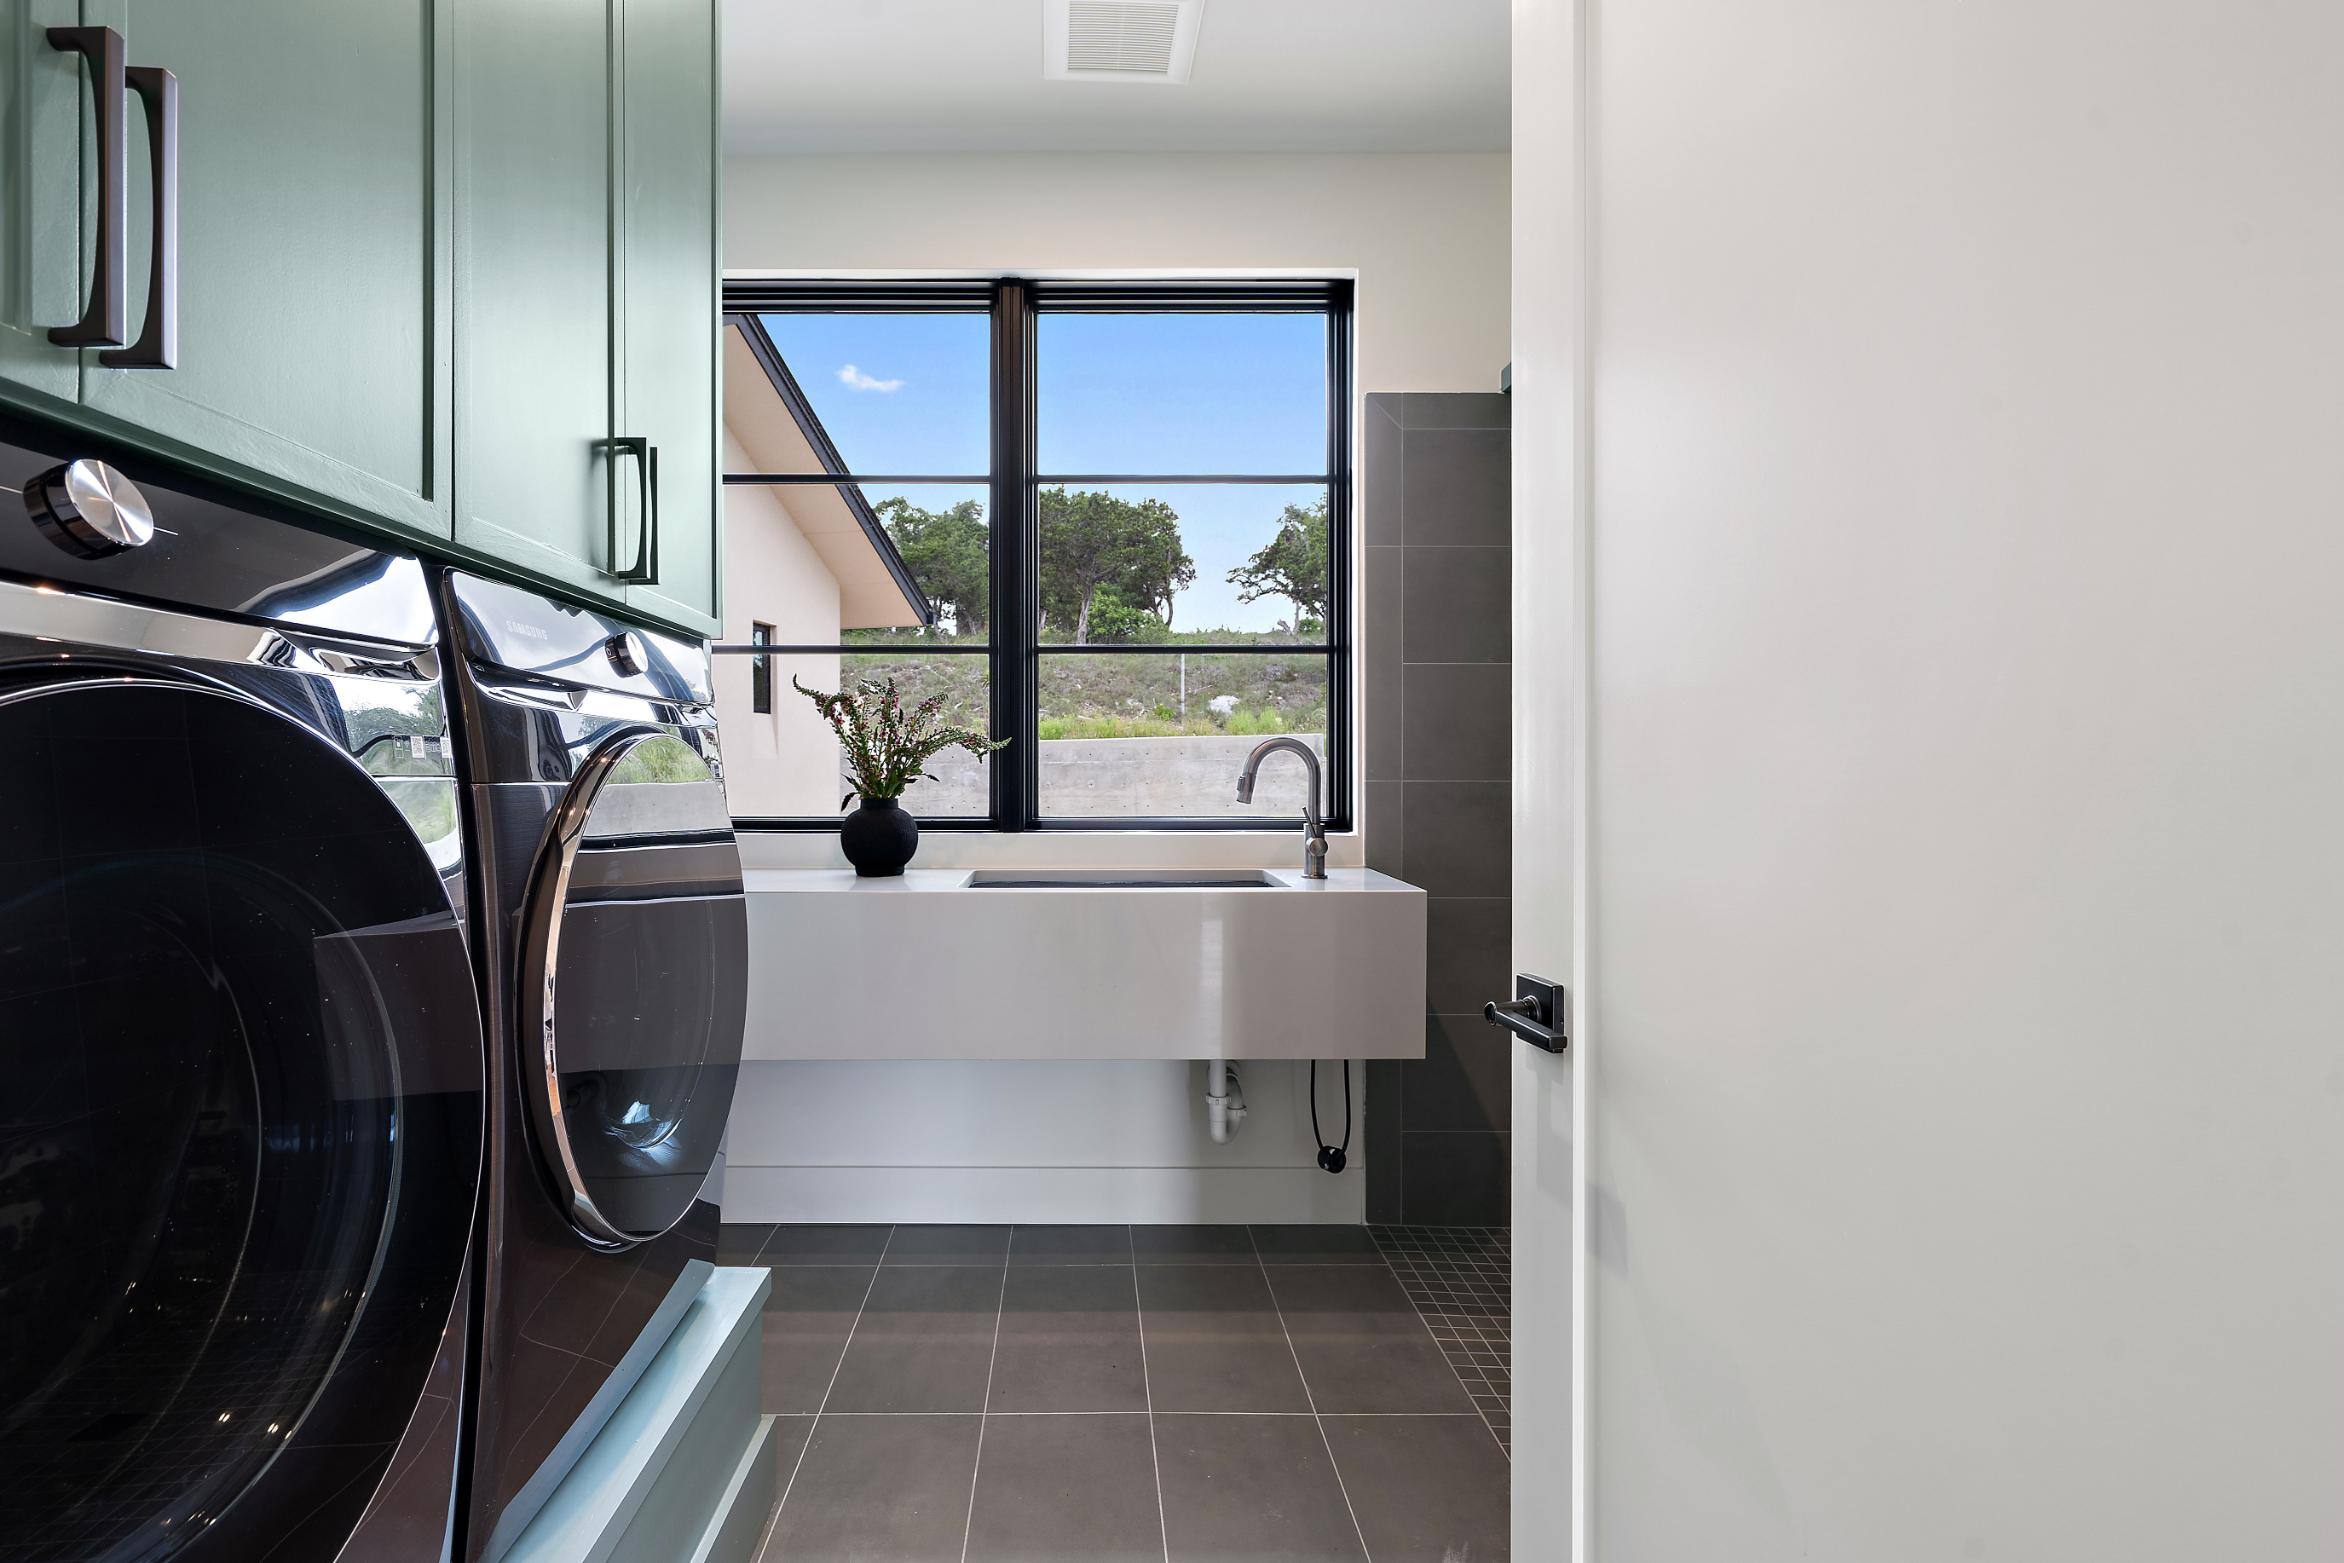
point(669, 307)
point(42, 93)
point(534, 283)
point(312, 211)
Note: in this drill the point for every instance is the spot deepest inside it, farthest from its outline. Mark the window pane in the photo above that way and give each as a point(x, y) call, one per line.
point(1197, 562)
point(895, 393)
point(788, 764)
point(1174, 395)
point(824, 562)
point(1165, 735)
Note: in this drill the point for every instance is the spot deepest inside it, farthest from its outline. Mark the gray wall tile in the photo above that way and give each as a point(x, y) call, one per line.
point(1445, 409)
point(1455, 1177)
point(1456, 487)
point(1460, 726)
point(1386, 819)
point(1435, 694)
point(1382, 1138)
point(1464, 1080)
point(1459, 838)
point(1465, 953)
point(1456, 605)
point(1383, 487)
point(1383, 707)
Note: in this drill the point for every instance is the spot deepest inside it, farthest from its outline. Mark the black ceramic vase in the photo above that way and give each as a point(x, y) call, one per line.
point(879, 838)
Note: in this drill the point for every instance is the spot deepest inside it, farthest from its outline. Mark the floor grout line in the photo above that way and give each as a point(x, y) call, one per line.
point(976, 1466)
point(1148, 1388)
point(815, 1427)
point(1316, 1420)
point(1419, 1255)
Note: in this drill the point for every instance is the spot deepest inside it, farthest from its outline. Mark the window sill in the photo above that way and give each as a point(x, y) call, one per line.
point(1065, 849)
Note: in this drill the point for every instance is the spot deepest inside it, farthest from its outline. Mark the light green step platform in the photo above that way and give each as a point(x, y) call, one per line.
point(683, 1472)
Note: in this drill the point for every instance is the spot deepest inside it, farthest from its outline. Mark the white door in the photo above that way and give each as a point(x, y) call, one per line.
point(1953, 484)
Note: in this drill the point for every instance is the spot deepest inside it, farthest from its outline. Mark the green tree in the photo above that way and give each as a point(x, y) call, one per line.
point(1292, 565)
point(1093, 541)
point(948, 553)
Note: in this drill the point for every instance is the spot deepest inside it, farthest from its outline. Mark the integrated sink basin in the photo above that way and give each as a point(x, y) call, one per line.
point(1092, 962)
point(1123, 879)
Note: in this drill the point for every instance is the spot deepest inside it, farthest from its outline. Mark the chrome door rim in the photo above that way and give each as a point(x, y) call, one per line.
point(541, 935)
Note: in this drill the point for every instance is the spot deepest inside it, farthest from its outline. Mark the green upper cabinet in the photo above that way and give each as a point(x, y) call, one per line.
point(669, 291)
point(586, 278)
point(535, 108)
point(312, 217)
point(41, 111)
point(446, 268)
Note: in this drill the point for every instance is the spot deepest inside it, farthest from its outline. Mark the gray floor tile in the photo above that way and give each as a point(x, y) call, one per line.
point(808, 1316)
point(1426, 1489)
point(925, 1342)
point(1316, 1245)
point(1192, 1245)
point(1070, 1246)
point(941, 1245)
point(1056, 1489)
point(1214, 1342)
point(737, 1242)
point(1252, 1487)
point(825, 1245)
point(880, 1489)
point(1361, 1343)
point(789, 1440)
point(1069, 1341)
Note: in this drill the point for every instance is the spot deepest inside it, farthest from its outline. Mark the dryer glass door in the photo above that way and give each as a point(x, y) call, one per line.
point(241, 1134)
point(638, 973)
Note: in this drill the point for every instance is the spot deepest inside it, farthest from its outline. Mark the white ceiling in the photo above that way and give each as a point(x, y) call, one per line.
point(966, 75)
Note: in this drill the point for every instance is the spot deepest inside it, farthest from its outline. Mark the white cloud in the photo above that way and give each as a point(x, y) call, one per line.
point(855, 380)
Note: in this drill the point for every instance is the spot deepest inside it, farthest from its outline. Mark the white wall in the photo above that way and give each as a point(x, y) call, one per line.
point(1960, 1008)
point(1426, 235)
point(784, 761)
point(1425, 238)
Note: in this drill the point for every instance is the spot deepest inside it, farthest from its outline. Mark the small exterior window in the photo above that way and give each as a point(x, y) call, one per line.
point(1109, 522)
point(761, 670)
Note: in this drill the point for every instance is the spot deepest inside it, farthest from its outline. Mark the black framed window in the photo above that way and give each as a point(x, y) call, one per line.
point(1109, 522)
point(761, 670)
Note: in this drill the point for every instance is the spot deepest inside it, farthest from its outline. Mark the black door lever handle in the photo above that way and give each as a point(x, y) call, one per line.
point(1538, 1013)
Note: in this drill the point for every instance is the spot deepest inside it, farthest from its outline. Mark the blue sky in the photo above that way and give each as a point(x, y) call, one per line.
point(1141, 394)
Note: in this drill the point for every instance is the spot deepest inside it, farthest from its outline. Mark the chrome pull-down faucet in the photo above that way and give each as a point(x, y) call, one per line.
point(1314, 833)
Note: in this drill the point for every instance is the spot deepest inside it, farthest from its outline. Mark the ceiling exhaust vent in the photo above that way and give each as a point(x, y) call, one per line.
point(1119, 40)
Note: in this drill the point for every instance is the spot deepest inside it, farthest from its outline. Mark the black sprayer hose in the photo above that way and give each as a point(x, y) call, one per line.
point(1331, 1157)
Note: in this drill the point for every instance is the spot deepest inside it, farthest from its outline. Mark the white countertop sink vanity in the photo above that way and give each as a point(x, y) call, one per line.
point(1007, 963)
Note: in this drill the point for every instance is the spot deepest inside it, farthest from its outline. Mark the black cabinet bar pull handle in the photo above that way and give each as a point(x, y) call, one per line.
point(645, 570)
point(157, 346)
point(649, 573)
point(105, 313)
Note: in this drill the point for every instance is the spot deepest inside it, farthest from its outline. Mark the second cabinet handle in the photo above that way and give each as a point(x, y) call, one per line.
point(157, 346)
point(103, 317)
point(645, 570)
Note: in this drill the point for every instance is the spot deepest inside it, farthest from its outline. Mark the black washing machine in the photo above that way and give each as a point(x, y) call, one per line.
point(611, 935)
point(242, 1117)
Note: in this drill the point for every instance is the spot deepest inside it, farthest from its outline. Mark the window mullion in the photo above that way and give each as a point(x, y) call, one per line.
point(1017, 770)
